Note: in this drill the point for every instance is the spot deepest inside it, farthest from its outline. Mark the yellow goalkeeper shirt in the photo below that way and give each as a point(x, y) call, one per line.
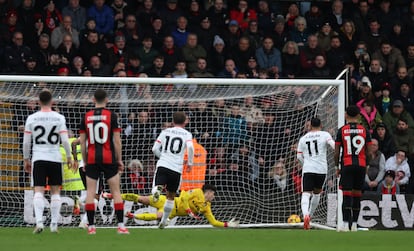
point(194, 199)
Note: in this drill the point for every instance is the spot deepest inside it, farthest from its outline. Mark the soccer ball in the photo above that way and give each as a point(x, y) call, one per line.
point(294, 218)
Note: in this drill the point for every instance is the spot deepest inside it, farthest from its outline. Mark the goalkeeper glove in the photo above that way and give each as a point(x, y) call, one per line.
point(192, 215)
point(232, 223)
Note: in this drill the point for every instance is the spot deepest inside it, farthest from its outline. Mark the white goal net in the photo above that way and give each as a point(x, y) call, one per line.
point(249, 129)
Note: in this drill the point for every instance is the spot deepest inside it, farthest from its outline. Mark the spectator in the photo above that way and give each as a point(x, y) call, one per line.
point(158, 68)
point(232, 34)
point(120, 10)
point(253, 69)
point(99, 68)
point(399, 37)
point(370, 117)
point(314, 18)
point(293, 13)
point(404, 136)
point(377, 76)
point(251, 112)
point(279, 35)
point(66, 50)
point(362, 58)
point(241, 53)
point(78, 66)
point(399, 78)
point(194, 15)
point(133, 66)
point(218, 15)
point(77, 13)
point(268, 57)
point(7, 28)
point(398, 163)
point(118, 52)
point(308, 54)
point(375, 168)
point(90, 25)
point(157, 33)
point(291, 60)
point(388, 185)
point(229, 71)
point(51, 17)
point(397, 111)
point(42, 52)
point(191, 51)
point(180, 72)
point(146, 14)
point(320, 70)
point(104, 18)
point(387, 16)
point(206, 33)
point(243, 14)
point(217, 56)
point(325, 35)
point(408, 20)
point(336, 17)
point(406, 95)
point(365, 90)
point(373, 36)
point(170, 14)
point(202, 71)
point(180, 33)
point(134, 180)
point(336, 56)
point(385, 140)
point(383, 102)
point(30, 67)
point(389, 57)
point(278, 174)
point(348, 36)
point(299, 33)
point(14, 54)
point(265, 17)
point(362, 18)
point(64, 28)
point(132, 32)
point(28, 19)
point(234, 130)
point(146, 53)
point(93, 46)
point(409, 60)
point(170, 53)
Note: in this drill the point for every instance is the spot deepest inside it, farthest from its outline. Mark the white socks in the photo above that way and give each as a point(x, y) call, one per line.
point(314, 203)
point(305, 203)
point(168, 207)
point(39, 207)
point(55, 204)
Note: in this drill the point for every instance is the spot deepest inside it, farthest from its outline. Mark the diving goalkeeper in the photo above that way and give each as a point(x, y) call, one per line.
point(189, 203)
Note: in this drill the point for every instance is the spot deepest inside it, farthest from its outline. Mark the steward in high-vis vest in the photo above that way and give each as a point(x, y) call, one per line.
point(71, 180)
point(195, 177)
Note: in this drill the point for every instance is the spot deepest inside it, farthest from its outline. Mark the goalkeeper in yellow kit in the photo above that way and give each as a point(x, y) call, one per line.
point(189, 203)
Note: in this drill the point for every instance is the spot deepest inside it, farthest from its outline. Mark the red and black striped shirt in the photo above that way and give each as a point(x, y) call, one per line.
point(353, 138)
point(99, 125)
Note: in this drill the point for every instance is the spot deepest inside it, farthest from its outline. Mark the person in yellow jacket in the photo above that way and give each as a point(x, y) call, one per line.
point(194, 177)
point(71, 179)
point(189, 203)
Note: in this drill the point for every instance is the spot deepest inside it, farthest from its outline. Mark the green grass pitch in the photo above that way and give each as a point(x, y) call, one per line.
point(16, 239)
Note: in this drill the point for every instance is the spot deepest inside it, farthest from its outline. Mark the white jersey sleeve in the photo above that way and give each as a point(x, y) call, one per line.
point(312, 148)
point(45, 129)
point(170, 147)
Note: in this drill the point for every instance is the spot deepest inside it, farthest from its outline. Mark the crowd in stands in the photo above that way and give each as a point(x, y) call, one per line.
point(233, 39)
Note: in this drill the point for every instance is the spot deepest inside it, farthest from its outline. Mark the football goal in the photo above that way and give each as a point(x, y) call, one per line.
point(249, 129)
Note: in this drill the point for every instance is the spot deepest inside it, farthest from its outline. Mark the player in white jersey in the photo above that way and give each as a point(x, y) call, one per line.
point(311, 154)
point(46, 129)
point(170, 147)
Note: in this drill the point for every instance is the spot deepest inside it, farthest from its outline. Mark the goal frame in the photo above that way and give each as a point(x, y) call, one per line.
point(338, 83)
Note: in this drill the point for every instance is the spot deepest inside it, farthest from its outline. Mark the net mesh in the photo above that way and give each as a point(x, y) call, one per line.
point(246, 130)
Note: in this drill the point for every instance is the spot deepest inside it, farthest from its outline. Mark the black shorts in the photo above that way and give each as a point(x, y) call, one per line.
point(168, 178)
point(352, 178)
point(94, 171)
point(311, 181)
point(47, 173)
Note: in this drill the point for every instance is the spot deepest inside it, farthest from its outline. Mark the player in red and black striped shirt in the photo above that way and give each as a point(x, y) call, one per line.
point(355, 142)
point(101, 150)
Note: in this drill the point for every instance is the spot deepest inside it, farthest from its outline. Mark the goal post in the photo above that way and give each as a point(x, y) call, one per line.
point(248, 127)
